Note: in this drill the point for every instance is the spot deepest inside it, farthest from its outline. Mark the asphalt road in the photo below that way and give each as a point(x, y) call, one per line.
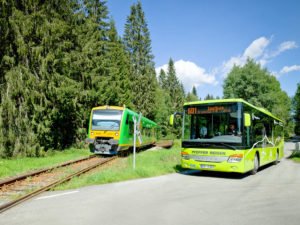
point(272, 196)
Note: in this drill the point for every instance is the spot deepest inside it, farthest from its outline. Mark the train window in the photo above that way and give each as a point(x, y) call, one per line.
point(131, 127)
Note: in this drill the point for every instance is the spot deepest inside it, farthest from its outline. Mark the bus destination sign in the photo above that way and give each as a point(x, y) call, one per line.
point(208, 110)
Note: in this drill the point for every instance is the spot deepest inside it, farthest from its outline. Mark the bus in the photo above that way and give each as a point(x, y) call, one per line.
point(111, 130)
point(229, 135)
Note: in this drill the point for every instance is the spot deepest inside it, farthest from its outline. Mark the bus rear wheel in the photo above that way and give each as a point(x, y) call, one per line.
point(256, 165)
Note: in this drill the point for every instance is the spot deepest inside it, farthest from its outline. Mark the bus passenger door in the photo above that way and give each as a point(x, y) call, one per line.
point(264, 151)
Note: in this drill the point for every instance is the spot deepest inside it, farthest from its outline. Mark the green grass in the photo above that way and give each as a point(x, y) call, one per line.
point(148, 164)
point(13, 167)
point(296, 156)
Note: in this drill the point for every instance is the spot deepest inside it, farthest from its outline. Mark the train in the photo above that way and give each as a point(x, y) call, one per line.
point(111, 130)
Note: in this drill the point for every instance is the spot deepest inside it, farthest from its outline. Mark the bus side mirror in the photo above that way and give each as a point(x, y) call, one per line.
point(171, 120)
point(247, 120)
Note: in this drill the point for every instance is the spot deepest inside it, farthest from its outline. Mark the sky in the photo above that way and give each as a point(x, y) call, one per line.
point(206, 38)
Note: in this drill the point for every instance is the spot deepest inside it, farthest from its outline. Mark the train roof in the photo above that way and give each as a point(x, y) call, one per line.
point(232, 100)
point(144, 119)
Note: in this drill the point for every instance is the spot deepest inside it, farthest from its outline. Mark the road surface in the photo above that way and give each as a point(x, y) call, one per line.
point(272, 196)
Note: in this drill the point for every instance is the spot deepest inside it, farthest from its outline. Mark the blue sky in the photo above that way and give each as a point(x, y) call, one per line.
point(205, 38)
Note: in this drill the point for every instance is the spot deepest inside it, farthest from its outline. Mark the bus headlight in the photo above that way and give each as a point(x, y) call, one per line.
point(185, 155)
point(235, 158)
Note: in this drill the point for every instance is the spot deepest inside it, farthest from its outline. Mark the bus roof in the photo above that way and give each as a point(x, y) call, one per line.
point(232, 100)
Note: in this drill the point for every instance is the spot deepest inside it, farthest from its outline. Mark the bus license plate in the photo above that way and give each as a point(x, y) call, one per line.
point(207, 166)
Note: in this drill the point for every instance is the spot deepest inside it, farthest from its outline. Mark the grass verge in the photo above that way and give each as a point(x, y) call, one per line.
point(296, 156)
point(13, 167)
point(148, 164)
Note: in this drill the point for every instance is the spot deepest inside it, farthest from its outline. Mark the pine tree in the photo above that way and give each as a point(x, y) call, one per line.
point(119, 69)
point(34, 90)
point(209, 97)
point(174, 87)
point(194, 91)
point(162, 79)
point(296, 104)
point(138, 44)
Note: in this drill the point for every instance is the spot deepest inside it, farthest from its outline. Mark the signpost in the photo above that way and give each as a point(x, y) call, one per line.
point(137, 133)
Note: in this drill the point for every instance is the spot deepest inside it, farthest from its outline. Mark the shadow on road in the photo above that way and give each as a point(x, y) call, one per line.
point(215, 174)
point(200, 173)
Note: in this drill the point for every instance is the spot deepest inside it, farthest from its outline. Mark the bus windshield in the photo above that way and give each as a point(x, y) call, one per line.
point(106, 120)
point(220, 123)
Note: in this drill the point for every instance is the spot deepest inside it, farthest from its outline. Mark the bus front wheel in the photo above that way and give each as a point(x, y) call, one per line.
point(256, 165)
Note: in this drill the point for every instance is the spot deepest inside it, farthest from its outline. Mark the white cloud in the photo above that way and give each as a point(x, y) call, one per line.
point(258, 51)
point(288, 69)
point(287, 46)
point(190, 74)
point(255, 51)
point(256, 48)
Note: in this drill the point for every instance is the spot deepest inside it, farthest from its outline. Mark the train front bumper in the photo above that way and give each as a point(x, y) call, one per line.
point(103, 146)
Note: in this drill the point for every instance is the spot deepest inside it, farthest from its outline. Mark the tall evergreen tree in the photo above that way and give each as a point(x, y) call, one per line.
point(34, 90)
point(138, 44)
point(209, 97)
point(162, 79)
point(296, 106)
point(120, 71)
point(174, 87)
point(194, 91)
point(192, 96)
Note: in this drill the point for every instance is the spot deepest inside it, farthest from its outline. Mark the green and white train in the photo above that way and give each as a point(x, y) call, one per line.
point(111, 130)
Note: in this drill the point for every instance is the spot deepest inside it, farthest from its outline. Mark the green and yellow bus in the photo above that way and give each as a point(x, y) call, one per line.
point(230, 135)
point(111, 130)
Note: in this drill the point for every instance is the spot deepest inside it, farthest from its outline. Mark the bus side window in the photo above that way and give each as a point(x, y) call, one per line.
point(259, 129)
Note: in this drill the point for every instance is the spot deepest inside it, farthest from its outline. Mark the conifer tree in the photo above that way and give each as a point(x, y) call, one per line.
point(296, 104)
point(119, 70)
point(32, 95)
point(162, 79)
point(192, 96)
point(209, 97)
point(194, 91)
point(174, 87)
point(138, 44)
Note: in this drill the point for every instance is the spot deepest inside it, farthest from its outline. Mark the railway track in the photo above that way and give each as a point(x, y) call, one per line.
point(16, 190)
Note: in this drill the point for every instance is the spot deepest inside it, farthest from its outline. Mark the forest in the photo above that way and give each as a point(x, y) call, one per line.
point(60, 58)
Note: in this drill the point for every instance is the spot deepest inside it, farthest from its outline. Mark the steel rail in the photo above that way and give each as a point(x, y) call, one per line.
point(37, 172)
point(13, 203)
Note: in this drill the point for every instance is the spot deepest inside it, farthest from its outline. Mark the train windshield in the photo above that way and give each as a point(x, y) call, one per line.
point(213, 124)
point(106, 119)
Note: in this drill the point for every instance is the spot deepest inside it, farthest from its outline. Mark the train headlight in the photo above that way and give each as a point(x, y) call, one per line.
point(235, 158)
point(117, 134)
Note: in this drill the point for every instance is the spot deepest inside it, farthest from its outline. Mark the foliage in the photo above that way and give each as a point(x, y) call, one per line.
point(170, 98)
point(296, 107)
point(138, 44)
point(257, 86)
point(174, 87)
point(209, 97)
point(58, 59)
